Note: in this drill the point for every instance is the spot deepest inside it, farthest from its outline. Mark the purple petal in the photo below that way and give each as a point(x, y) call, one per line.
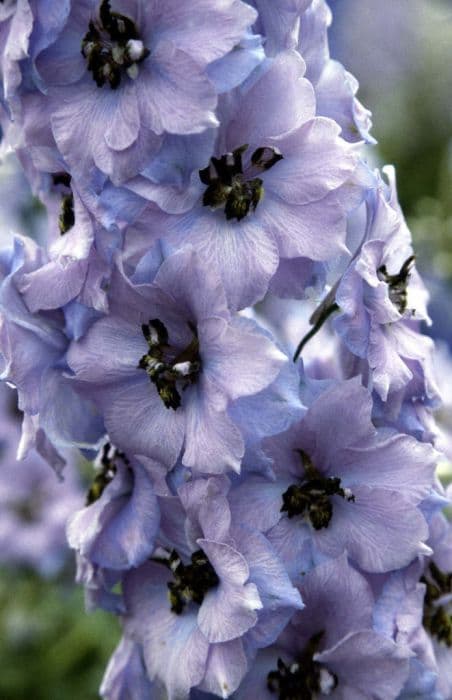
point(365, 660)
point(229, 610)
point(213, 444)
point(226, 666)
point(380, 530)
point(174, 95)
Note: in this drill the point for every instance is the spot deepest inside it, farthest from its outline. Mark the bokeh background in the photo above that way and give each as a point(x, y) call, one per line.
point(401, 53)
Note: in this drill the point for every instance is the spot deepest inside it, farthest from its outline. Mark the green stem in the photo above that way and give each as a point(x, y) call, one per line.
point(316, 327)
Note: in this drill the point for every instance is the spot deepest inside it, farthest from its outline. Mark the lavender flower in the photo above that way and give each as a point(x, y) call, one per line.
point(380, 297)
point(117, 527)
point(123, 76)
point(220, 594)
point(330, 649)
point(274, 182)
point(262, 528)
point(168, 360)
point(341, 486)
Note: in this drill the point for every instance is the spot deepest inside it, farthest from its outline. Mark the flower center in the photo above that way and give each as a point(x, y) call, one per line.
point(437, 619)
point(231, 187)
point(106, 463)
point(66, 219)
point(191, 581)
point(304, 678)
point(112, 47)
point(312, 496)
point(398, 283)
point(166, 369)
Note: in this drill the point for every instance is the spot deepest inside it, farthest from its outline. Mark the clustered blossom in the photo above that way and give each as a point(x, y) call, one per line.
point(262, 528)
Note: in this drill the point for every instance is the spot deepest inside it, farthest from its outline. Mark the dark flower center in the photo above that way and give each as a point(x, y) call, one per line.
point(231, 187)
point(312, 496)
point(166, 369)
point(398, 283)
point(112, 47)
point(191, 581)
point(107, 462)
point(304, 678)
point(437, 618)
point(66, 219)
point(13, 406)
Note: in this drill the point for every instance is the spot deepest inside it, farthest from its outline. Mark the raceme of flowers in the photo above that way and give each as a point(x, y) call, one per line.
point(264, 515)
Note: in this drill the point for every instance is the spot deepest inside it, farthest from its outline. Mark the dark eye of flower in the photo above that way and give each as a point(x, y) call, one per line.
point(303, 678)
point(191, 581)
point(13, 407)
point(398, 283)
point(166, 369)
point(437, 619)
point(62, 178)
point(112, 47)
point(66, 219)
point(233, 188)
point(106, 473)
point(312, 496)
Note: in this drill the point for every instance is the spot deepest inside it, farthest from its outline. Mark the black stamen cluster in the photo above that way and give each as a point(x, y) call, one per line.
point(312, 496)
point(191, 581)
point(66, 219)
point(232, 188)
point(165, 374)
point(398, 283)
point(437, 619)
point(105, 46)
point(107, 472)
point(301, 679)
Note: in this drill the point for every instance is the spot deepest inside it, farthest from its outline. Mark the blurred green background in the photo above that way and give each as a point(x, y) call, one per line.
point(49, 648)
point(401, 53)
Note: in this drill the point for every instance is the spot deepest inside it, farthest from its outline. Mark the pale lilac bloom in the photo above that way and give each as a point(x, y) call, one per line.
point(329, 649)
point(125, 676)
point(199, 609)
point(168, 361)
point(334, 86)
point(117, 527)
point(340, 485)
point(381, 298)
point(53, 413)
point(123, 74)
point(277, 186)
